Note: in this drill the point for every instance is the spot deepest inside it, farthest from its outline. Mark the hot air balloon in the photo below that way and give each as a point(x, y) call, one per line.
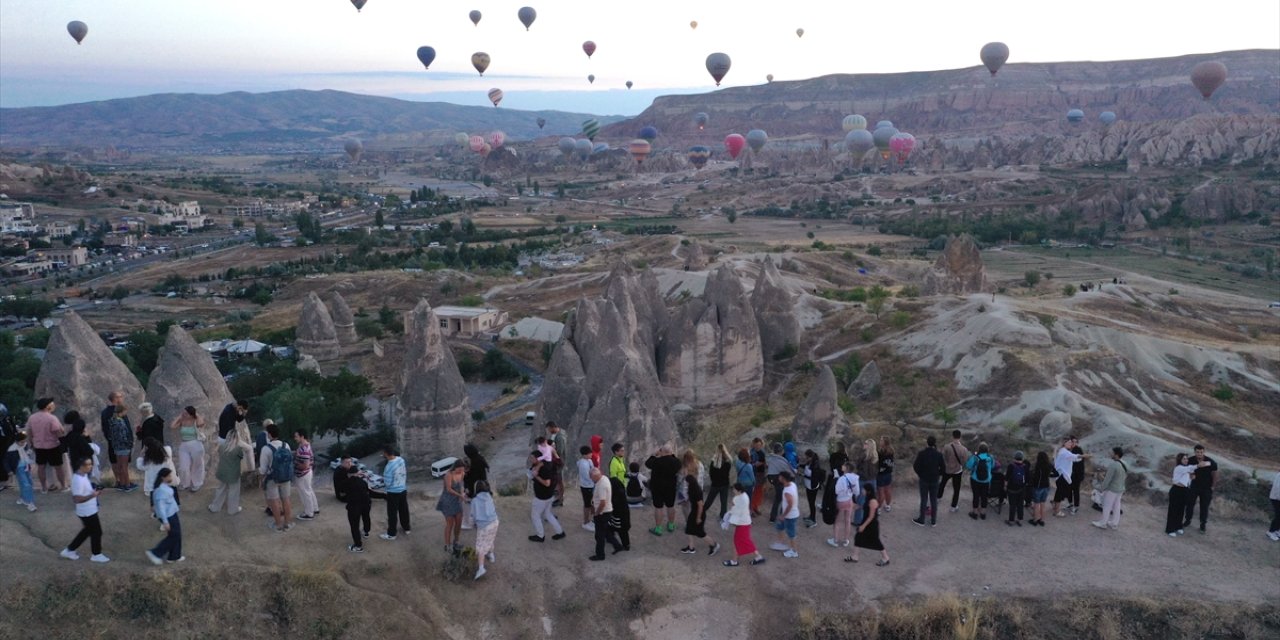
point(590, 127)
point(589, 48)
point(718, 65)
point(768, 78)
point(359, 4)
point(600, 147)
point(884, 123)
point(881, 138)
point(901, 145)
point(591, 79)
point(79, 30)
point(480, 60)
point(485, 149)
point(993, 55)
point(461, 138)
point(542, 122)
point(1107, 117)
point(495, 96)
point(859, 142)
point(477, 143)
point(1075, 116)
point(700, 118)
point(693, 24)
point(756, 139)
point(583, 148)
point(853, 122)
point(649, 133)
point(698, 156)
point(799, 33)
point(426, 55)
point(628, 84)
point(1208, 76)
point(354, 148)
point(527, 16)
point(496, 139)
point(639, 150)
point(565, 145)
point(475, 17)
point(733, 143)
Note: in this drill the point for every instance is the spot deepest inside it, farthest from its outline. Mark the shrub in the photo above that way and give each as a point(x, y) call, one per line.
point(1031, 278)
point(1224, 392)
point(786, 352)
point(874, 250)
point(365, 444)
point(909, 291)
point(900, 319)
point(477, 415)
point(1068, 290)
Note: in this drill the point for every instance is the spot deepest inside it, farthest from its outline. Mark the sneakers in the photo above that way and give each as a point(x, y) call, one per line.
point(778, 546)
point(467, 527)
point(305, 517)
point(832, 542)
point(354, 549)
point(657, 531)
point(490, 557)
point(757, 561)
point(790, 553)
point(1060, 514)
point(1174, 534)
point(1099, 524)
point(809, 524)
point(365, 534)
point(954, 509)
point(688, 550)
point(537, 539)
point(558, 536)
point(716, 547)
point(480, 573)
point(180, 559)
point(671, 527)
point(1274, 535)
point(1075, 510)
point(69, 554)
point(919, 521)
point(730, 563)
point(155, 559)
point(595, 558)
point(589, 526)
point(1202, 527)
point(387, 536)
point(99, 558)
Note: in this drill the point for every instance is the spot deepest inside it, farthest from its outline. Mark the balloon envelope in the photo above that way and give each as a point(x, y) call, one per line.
point(565, 145)
point(527, 16)
point(859, 141)
point(590, 128)
point(901, 145)
point(628, 84)
point(884, 123)
point(426, 55)
point(600, 147)
point(542, 122)
point(733, 143)
point(477, 143)
point(639, 150)
point(700, 118)
point(78, 30)
point(485, 149)
point(358, 4)
point(649, 133)
point(461, 138)
point(496, 139)
point(799, 33)
point(1107, 117)
point(852, 122)
point(698, 156)
point(768, 78)
point(881, 138)
point(583, 148)
point(495, 96)
point(756, 139)
point(1208, 76)
point(718, 65)
point(353, 148)
point(480, 60)
point(591, 79)
point(693, 24)
point(589, 48)
point(475, 17)
point(1075, 115)
point(993, 56)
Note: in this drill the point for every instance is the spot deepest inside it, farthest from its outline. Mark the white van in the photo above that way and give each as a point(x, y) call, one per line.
point(529, 418)
point(442, 466)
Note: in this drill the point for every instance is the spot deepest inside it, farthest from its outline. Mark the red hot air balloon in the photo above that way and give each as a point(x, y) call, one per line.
point(477, 143)
point(496, 139)
point(588, 48)
point(734, 143)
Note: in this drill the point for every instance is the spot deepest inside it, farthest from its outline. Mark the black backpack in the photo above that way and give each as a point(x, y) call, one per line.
point(829, 502)
point(981, 470)
point(1017, 476)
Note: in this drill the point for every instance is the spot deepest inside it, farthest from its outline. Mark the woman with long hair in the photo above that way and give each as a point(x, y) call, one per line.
point(696, 524)
point(486, 515)
point(814, 478)
point(166, 510)
point(868, 534)
point(477, 471)
point(1039, 488)
point(155, 456)
point(1178, 491)
point(836, 458)
point(720, 470)
point(884, 474)
point(79, 443)
point(746, 473)
point(740, 520)
point(190, 427)
point(450, 505)
point(868, 463)
point(231, 453)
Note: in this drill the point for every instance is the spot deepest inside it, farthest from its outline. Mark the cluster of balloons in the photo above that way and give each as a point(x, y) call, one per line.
point(482, 145)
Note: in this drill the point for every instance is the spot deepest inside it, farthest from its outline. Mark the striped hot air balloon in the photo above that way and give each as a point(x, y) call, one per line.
point(699, 155)
point(495, 96)
point(590, 127)
point(639, 150)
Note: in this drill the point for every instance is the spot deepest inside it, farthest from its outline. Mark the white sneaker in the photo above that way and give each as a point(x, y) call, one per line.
point(99, 558)
point(387, 537)
point(491, 557)
point(778, 546)
point(790, 553)
point(480, 572)
point(1175, 534)
point(467, 527)
point(154, 558)
point(1099, 524)
point(1274, 535)
point(69, 554)
point(832, 542)
point(845, 543)
point(590, 526)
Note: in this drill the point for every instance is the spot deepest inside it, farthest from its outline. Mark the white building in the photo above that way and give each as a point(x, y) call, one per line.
point(469, 322)
point(57, 230)
point(18, 218)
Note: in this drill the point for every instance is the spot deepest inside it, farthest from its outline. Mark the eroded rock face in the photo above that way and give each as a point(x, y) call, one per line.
point(317, 336)
point(710, 352)
point(344, 322)
point(819, 417)
point(185, 375)
point(1055, 426)
point(867, 384)
point(958, 269)
point(773, 306)
point(435, 413)
point(695, 259)
point(79, 371)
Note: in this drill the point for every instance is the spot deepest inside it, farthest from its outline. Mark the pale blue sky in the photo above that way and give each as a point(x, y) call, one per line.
point(138, 47)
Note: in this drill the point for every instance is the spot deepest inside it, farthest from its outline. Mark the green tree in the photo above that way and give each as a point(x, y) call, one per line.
point(378, 219)
point(144, 347)
point(119, 293)
point(261, 236)
point(1031, 278)
point(946, 414)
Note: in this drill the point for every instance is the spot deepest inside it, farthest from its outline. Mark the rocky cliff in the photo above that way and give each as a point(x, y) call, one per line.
point(317, 336)
point(435, 413)
point(819, 417)
point(710, 351)
point(79, 371)
point(344, 322)
point(185, 375)
point(773, 306)
point(958, 269)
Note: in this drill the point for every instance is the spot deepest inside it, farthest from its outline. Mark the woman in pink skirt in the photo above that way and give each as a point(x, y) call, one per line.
point(740, 518)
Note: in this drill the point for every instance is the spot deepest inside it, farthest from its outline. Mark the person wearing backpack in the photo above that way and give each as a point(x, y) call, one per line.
point(846, 490)
point(275, 465)
point(980, 466)
point(1015, 482)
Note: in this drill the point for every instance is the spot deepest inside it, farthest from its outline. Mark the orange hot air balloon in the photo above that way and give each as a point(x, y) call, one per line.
point(639, 150)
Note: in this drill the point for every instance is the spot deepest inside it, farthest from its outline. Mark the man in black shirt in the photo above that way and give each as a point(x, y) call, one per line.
point(544, 493)
point(231, 414)
point(929, 467)
point(665, 468)
point(1203, 480)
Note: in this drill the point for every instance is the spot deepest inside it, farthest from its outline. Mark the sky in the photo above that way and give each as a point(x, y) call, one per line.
point(140, 47)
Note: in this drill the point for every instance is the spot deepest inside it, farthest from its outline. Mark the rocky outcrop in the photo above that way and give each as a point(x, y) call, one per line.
point(710, 352)
point(601, 379)
point(1055, 426)
point(185, 376)
point(317, 336)
point(774, 309)
point(79, 371)
point(867, 384)
point(308, 363)
point(958, 269)
point(695, 259)
point(344, 322)
point(434, 411)
point(819, 417)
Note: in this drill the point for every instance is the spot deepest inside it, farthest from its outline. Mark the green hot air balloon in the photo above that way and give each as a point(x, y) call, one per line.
point(590, 128)
point(756, 139)
point(718, 65)
point(461, 139)
point(853, 122)
point(1075, 116)
point(527, 15)
point(881, 137)
point(1107, 117)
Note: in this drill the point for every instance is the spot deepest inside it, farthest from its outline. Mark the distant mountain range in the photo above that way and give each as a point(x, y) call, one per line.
point(280, 121)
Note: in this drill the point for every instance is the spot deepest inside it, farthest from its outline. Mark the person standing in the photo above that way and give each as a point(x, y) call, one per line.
point(152, 426)
point(696, 525)
point(790, 515)
point(231, 414)
point(1077, 477)
point(85, 496)
point(189, 426)
point(746, 474)
point(618, 463)
point(78, 443)
point(544, 493)
point(884, 475)
point(559, 449)
point(486, 515)
point(814, 479)
point(930, 468)
point(45, 431)
point(1112, 489)
point(665, 470)
point(1178, 488)
point(21, 447)
point(1273, 531)
point(953, 458)
point(868, 535)
point(118, 433)
point(166, 510)
point(868, 463)
point(720, 470)
point(276, 468)
point(602, 502)
point(231, 454)
point(586, 487)
point(450, 506)
point(359, 504)
point(1064, 464)
point(303, 467)
point(980, 466)
point(477, 470)
point(395, 477)
point(621, 517)
point(846, 489)
point(1015, 481)
point(597, 446)
point(1040, 474)
point(775, 464)
point(155, 456)
point(1203, 480)
point(760, 464)
point(740, 520)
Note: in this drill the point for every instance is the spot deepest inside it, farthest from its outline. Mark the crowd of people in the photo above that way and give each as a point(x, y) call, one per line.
point(851, 494)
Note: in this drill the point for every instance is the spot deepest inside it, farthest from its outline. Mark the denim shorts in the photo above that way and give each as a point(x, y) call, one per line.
point(1040, 495)
point(788, 525)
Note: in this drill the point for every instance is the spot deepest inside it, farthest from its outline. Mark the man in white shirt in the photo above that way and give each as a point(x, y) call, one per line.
point(1062, 464)
point(85, 496)
point(602, 500)
point(789, 515)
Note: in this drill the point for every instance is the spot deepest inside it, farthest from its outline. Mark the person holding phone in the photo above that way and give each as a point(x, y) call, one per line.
point(85, 496)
